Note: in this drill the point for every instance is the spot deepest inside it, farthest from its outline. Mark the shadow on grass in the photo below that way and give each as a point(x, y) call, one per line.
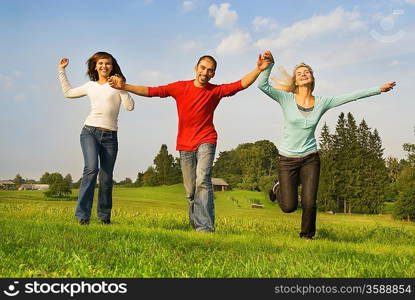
point(377, 234)
point(72, 198)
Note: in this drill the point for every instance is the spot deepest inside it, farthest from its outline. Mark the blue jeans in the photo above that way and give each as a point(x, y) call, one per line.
point(196, 169)
point(99, 148)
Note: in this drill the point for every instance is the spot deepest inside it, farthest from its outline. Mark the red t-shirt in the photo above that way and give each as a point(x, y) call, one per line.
point(195, 107)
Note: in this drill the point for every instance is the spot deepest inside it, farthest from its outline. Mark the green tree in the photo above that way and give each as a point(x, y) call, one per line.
point(163, 165)
point(58, 186)
point(45, 178)
point(139, 181)
point(327, 190)
point(55, 177)
point(405, 203)
point(247, 164)
point(339, 146)
point(227, 167)
point(68, 178)
point(150, 177)
point(18, 180)
point(126, 181)
point(353, 176)
point(270, 160)
point(175, 173)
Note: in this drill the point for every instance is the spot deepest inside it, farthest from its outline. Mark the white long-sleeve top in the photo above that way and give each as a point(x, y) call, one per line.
point(105, 101)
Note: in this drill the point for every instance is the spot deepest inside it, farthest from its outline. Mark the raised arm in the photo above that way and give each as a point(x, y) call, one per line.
point(249, 78)
point(117, 83)
point(345, 98)
point(263, 81)
point(67, 90)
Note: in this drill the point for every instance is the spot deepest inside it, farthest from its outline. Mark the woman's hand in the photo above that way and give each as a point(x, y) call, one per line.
point(63, 63)
point(267, 55)
point(262, 63)
point(387, 87)
point(116, 82)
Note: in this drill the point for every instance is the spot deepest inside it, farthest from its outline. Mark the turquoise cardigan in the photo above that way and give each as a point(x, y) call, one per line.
point(298, 133)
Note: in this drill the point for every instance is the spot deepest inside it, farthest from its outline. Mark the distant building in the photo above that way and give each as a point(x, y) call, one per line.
point(34, 187)
point(220, 184)
point(7, 185)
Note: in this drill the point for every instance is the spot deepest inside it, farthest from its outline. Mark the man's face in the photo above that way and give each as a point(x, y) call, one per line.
point(205, 71)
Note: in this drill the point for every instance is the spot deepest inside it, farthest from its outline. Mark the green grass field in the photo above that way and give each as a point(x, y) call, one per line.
point(151, 237)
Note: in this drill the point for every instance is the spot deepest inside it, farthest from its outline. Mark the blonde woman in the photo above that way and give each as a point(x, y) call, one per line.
point(299, 160)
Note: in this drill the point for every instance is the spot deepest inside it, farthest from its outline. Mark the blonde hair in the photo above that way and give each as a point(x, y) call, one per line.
point(286, 82)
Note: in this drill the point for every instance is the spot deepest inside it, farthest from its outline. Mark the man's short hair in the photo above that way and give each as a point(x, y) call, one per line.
point(209, 58)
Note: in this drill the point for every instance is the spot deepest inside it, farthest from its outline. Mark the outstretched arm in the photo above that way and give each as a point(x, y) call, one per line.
point(263, 83)
point(345, 98)
point(116, 82)
point(261, 65)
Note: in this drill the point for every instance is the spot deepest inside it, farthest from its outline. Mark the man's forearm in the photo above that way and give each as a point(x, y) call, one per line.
point(249, 78)
point(136, 89)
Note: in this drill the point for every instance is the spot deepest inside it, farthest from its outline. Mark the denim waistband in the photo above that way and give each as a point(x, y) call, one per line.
point(98, 128)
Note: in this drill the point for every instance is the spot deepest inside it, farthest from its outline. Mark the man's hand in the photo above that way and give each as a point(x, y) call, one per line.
point(387, 87)
point(262, 63)
point(116, 82)
point(267, 55)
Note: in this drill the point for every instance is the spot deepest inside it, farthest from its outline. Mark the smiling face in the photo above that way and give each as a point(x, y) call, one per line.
point(104, 67)
point(303, 76)
point(205, 71)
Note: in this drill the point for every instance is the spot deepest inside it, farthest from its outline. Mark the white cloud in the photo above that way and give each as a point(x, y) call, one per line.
point(188, 5)
point(224, 17)
point(235, 43)
point(261, 23)
point(316, 26)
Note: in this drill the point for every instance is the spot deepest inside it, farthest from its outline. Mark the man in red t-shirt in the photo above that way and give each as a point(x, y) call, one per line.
point(196, 102)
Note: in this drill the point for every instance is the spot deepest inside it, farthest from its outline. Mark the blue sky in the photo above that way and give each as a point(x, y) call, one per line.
point(350, 45)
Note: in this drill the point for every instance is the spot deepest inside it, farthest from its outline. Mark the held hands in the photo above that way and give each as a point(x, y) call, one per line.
point(267, 55)
point(63, 63)
point(264, 60)
point(387, 87)
point(116, 82)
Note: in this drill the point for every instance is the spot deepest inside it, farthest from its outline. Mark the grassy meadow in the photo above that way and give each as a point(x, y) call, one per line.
point(150, 237)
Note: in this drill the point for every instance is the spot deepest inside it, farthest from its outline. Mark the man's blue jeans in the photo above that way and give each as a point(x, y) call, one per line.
point(196, 169)
point(99, 148)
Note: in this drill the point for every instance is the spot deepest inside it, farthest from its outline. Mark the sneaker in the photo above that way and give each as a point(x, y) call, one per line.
point(106, 222)
point(84, 222)
point(274, 192)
